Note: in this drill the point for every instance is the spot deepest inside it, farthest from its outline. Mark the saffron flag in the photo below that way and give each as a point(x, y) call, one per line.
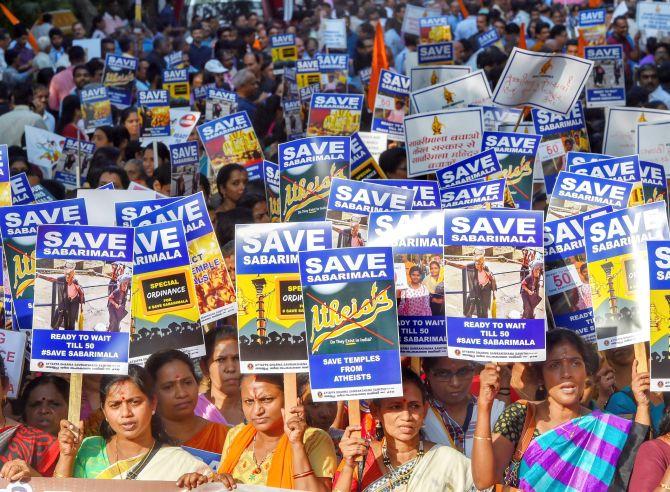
point(379, 62)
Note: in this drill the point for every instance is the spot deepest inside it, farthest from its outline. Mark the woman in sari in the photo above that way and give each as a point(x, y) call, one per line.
point(276, 449)
point(44, 402)
point(402, 460)
point(24, 451)
point(556, 443)
point(177, 393)
point(222, 403)
point(133, 445)
point(415, 300)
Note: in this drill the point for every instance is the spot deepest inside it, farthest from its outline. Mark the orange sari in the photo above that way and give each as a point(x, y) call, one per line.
point(210, 438)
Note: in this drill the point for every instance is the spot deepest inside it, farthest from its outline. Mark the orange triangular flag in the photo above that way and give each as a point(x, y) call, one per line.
point(594, 4)
point(379, 61)
point(581, 43)
point(522, 37)
point(464, 11)
point(14, 21)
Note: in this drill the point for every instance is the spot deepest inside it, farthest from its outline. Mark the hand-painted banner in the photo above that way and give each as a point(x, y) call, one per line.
point(618, 271)
point(164, 306)
point(81, 318)
point(213, 285)
point(18, 225)
point(334, 114)
point(476, 194)
point(470, 89)
point(567, 275)
point(306, 169)
point(479, 166)
point(416, 238)
point(494, 307)
point(427, 196)
point(352, 323)
point(577, 193)
point(658, 253)
point(271, 320)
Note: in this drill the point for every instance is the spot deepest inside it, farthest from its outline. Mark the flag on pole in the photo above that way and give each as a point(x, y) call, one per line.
point(379, 62)
point(522, 37)
point(14, 21)
point(464, 11)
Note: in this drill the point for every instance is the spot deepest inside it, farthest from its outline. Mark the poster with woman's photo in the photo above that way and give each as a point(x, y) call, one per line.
point(83, 294)
point(416, 238)
point(494, 292)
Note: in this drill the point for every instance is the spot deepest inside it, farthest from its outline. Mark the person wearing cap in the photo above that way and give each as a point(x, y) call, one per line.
point(215, 75)
point(116, 303)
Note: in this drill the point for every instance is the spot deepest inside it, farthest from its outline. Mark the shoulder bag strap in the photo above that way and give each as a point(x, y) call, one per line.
point(134, 472)
point(527, 433)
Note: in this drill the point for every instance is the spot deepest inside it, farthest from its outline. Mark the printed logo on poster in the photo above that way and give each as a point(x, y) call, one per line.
point(436, 53)
point(270, 295)
point(175, 75)
point(22, 193)
point(351, 320)
point(618, 271)
point(488, 316)
point(474, 195)
point(479, 166)
point(621, 130)
point(332, 63)
point(470, 89)
point(100, 307)
point(184, 154)
point(426, 196)
point(658, 253)
point(626, 169)
point(422, 77)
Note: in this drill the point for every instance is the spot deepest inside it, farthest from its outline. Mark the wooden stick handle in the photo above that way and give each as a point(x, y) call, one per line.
point(290, 392)
point(74, 408)
point(641, 357)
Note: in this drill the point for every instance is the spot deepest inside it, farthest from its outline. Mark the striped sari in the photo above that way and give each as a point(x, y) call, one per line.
point(578, 456)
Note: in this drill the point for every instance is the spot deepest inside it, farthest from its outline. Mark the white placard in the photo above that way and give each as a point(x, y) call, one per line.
point(620, 137)
point(410, 23)
point(471, 89)
point(427, 75)
point(13, 346)
point(333, 34)
point(653, 143)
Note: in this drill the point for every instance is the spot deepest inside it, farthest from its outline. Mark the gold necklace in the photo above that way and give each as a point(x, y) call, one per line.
point(258, 469)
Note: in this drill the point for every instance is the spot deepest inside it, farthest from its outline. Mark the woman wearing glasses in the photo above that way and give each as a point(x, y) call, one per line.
point(452, 415)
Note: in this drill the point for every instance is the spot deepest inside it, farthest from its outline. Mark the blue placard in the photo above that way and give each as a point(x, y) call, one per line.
point(215, 93)
point(42, 195)
point(280, 40)
point(566, 278)
point(353, 102)
point(549, 123)
point(184, 154)
point(361, 198)
point(175, 75)
point(436, 52)
point(394, 84)
point(127, 212)
point(106, 186)
point(346, 265)
point(659, 264)
point(474, 168)
point(436, 21)
point(307, 66)
point(417, 235)
point(4, 164)
point(625, 169)
point(653, 174)
point(150, 101)
point(606, 89)
point(488, 38)
point(159, 247)
point(273, 248)
point(224, 126)
point(84, 242)
point(623, 231)
point(475, 194)
point(213, 460)
point(89, 97)
point(591, 190)
point(190, 210)
point(427, 196)
point(22, 193)
point(493, 228)
point(593, 17)
point(359, 152)
point(332, 63)
point(511, 143)
point(573, 158)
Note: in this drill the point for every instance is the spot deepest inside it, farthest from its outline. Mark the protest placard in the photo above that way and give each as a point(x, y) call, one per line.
point(271, 179)
point(567, 274)
point(307, 73)
point(470, 89)
point(575, 194)
point(658, 254)
point(334, 70)
point(119, 77)
point(479, 166)
point(375, 142)
point(333, 34)
point(283, 48)
point(424, 76)
point(495, 116)
point(592, 26)
point(391, 104)
point(200, 98)
point(306, 169)
point(434, 29)
point(560, 135)
point(100, 202)
point(653, 19)
point(182, 123)
point(175, 81)
point(213, 285)
point(488, 38)
point(426, 196)
point(72, 168)
point(305, 96)
point(620, 136)
point(352, 323)
point(606, 86)
point(174, 59)
point(413, 13)
point(544, 81)
point(618, 271)
point(334, 114)
point(654, 182)
point(5, 187)
point(653, 143)
point(21, 191)
point(435, 53)
point(476, 194)
point(126, 212)
point(185, 163)
point(219, 102)
point(626, 169)
point(164, 306)
point(363, 162)
point(271, 320)
point(96, 108)
point(493, 301)
point(350, 202)
point(436, 140)
point(154, 113)
point(88, 333)
point(232, 139)
point(92, 47)
point(13, 345)
point(516, 153)
point(573, 158)
point(416, 238)
point(292, 109)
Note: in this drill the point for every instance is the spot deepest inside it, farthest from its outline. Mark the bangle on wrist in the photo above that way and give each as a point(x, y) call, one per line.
point(303, 474)
point(482, 438)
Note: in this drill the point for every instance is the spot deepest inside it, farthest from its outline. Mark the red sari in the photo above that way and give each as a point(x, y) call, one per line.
point(371, 472)
point(37, 448)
